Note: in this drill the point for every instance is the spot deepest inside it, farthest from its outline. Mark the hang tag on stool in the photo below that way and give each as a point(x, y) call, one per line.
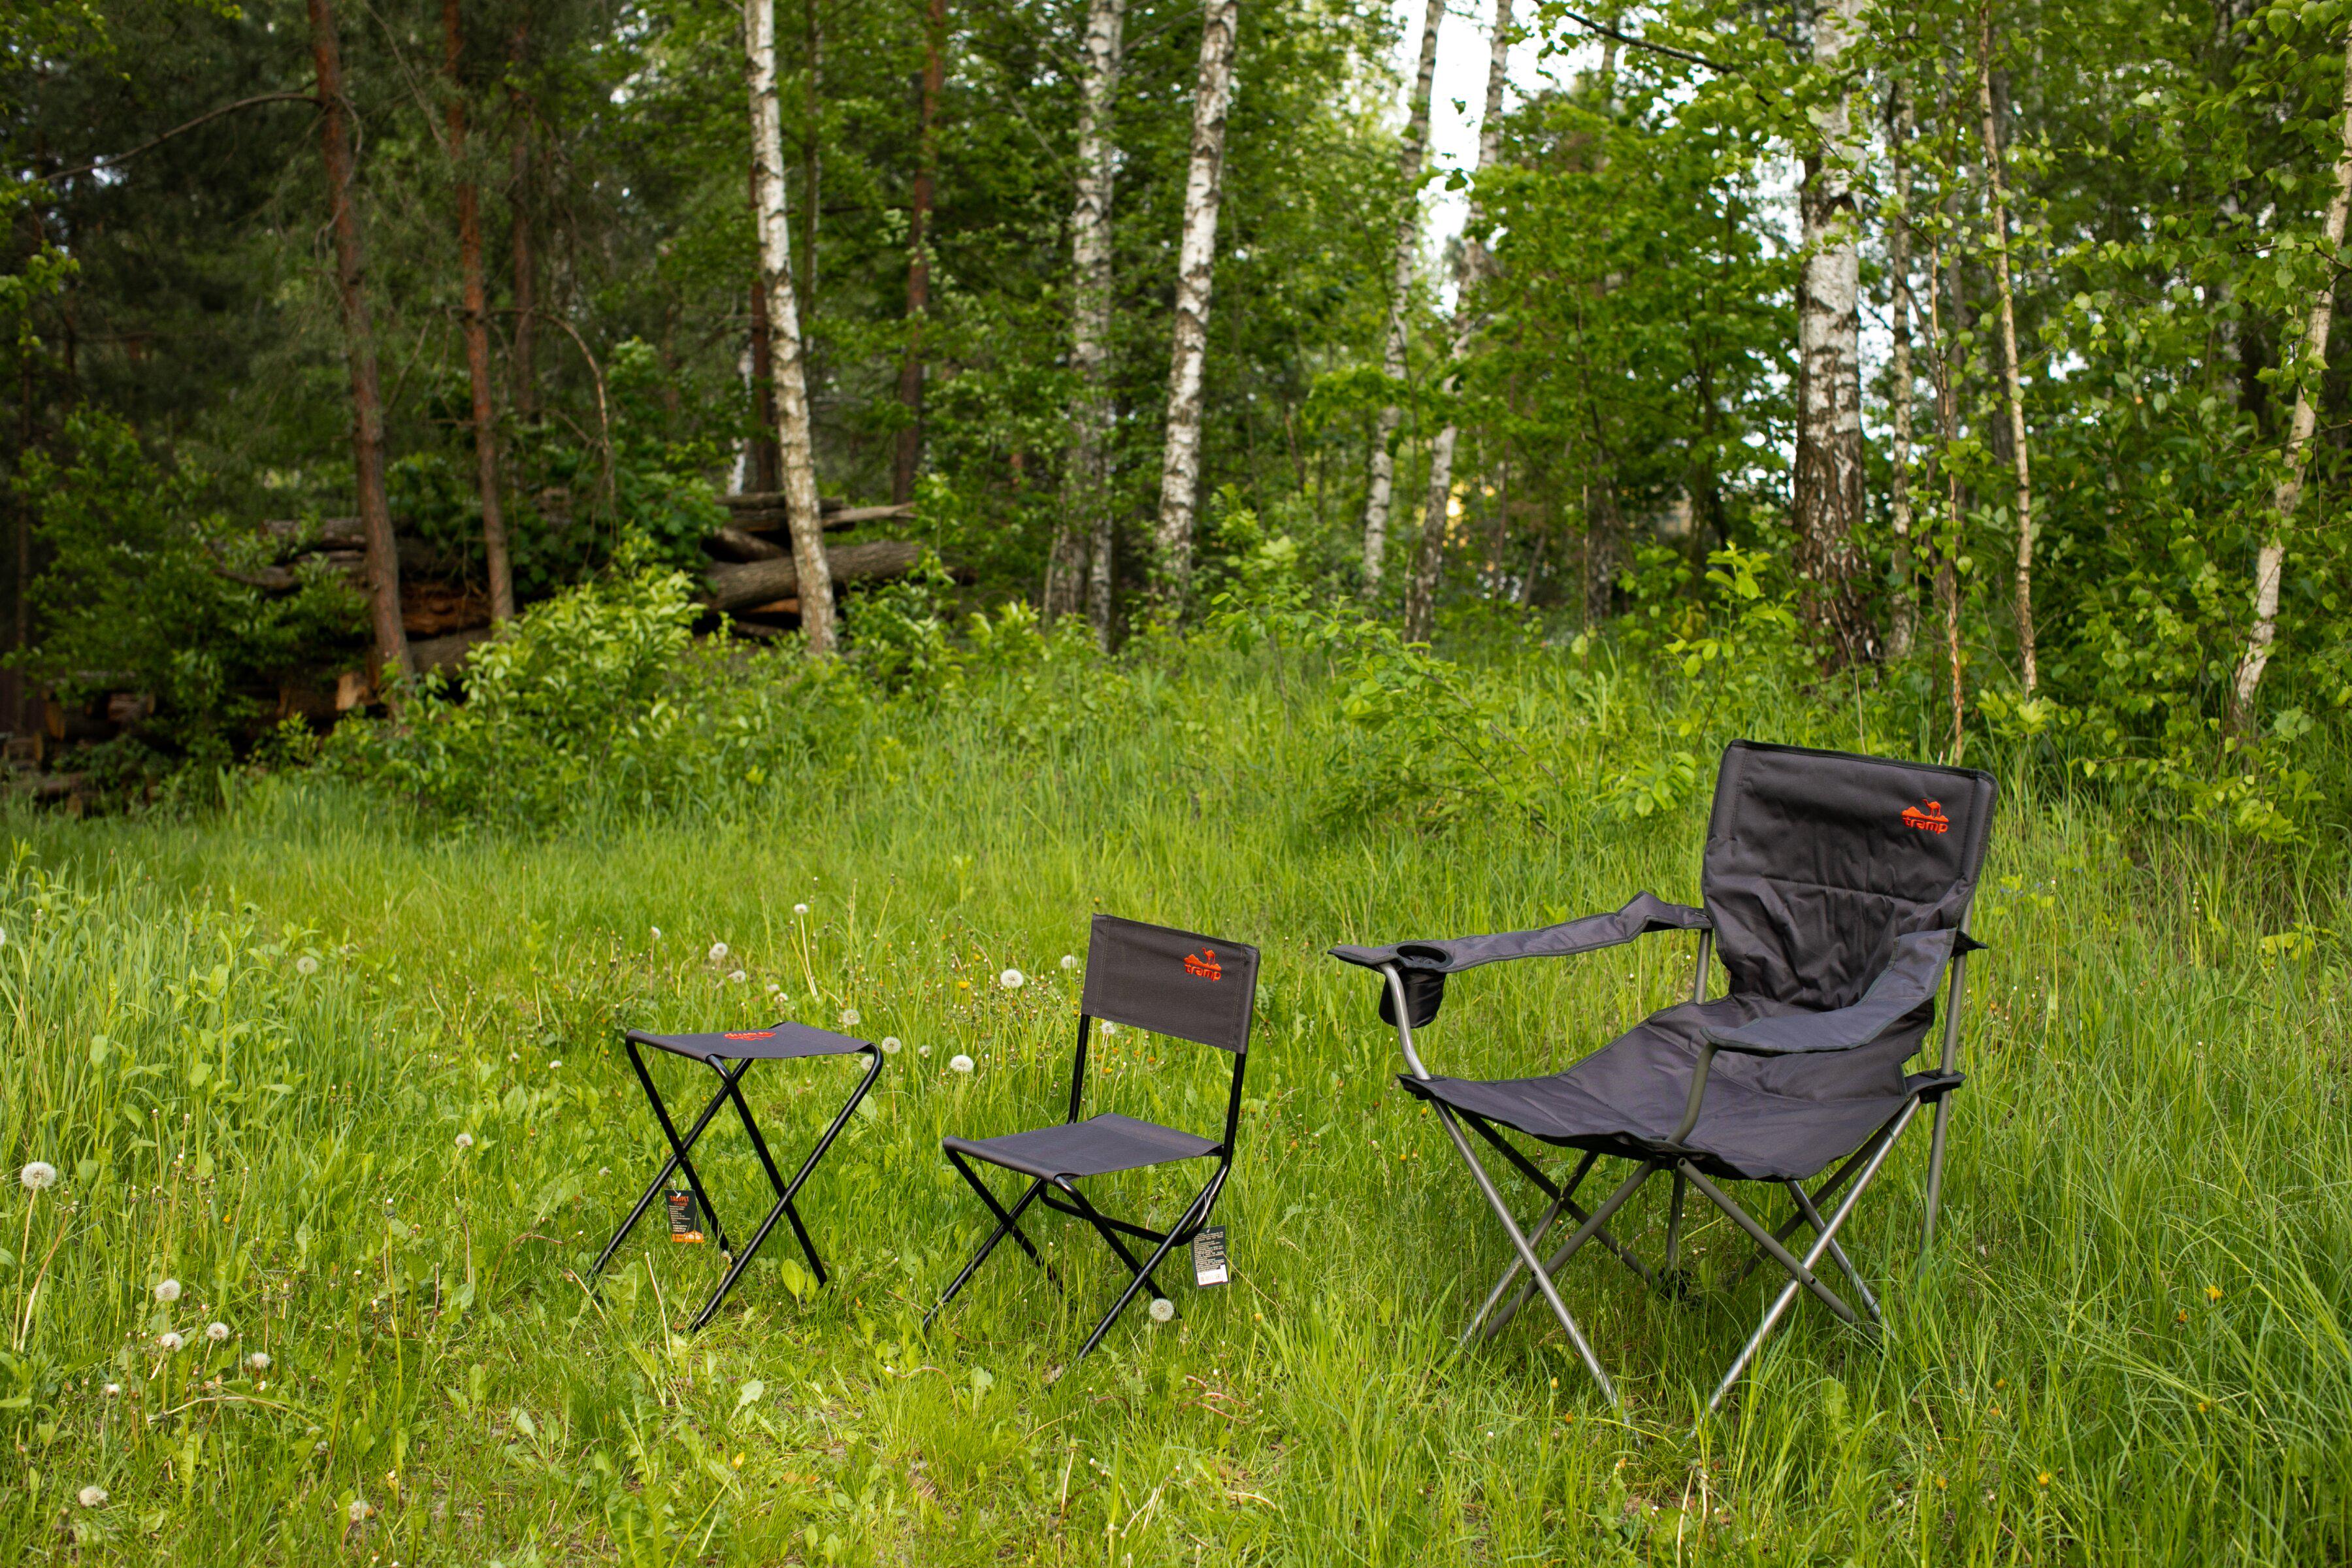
point(685, 1217)
point(1209, 1257)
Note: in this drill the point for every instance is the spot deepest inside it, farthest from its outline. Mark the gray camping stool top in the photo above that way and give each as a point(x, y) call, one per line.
point(1837, 891)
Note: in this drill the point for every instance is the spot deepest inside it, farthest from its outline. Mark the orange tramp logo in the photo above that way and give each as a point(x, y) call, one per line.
point(1204, 965)
point(753, 1035)
point(1927, 818)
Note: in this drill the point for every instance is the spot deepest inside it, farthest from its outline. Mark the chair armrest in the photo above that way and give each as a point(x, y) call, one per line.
point(1425, 964)
point(1912, 971)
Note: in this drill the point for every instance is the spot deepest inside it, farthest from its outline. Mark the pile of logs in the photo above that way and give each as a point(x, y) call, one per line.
point(756, 576)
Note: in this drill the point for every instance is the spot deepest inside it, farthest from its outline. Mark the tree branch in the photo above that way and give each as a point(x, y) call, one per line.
point(1606, 31)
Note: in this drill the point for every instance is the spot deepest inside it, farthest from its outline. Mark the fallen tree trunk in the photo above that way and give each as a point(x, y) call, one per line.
point(743, 546)
point(741, 586)
point(763, 511)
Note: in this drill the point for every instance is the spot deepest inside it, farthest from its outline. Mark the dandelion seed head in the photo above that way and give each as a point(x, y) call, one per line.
point(552, 1066)
point(91, 1497)
point(306, 964)
point(168, 1291)
point(465, 1140)
point(1013, 980)
point(1109, 1027)
point(800, 909)
point(656, 930)
point(736, 977)
point(216, 1332)
point(717, 951)
point(960, 1063)
point(169, 1341)
point(1162, 1308)
point(889, 1045)
point(923, 1050)
point(849, 1018)
point(40, 1173)
point(359, 1508)
point(259, 1361)
point(1069, 961)
point(113, 1389)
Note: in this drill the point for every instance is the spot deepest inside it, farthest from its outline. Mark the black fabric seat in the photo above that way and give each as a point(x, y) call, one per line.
point(1098, 1146)
point(778, 1042)
point(1763, 1118)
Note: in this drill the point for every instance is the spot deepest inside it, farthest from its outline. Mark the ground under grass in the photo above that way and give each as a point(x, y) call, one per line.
point(250, 1044)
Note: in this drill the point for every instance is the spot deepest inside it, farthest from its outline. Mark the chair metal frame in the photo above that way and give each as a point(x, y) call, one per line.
point(1062, 1194)
point(1671, 1280)
point(681, 1159)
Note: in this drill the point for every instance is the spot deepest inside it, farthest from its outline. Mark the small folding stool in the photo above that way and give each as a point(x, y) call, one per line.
point(1175, 983)
point(730, 1055)
point(1837, 891)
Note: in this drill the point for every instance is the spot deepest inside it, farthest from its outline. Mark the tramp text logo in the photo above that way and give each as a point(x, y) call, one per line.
point(753, 1035)
point(1928, 820)
point(1204, 965)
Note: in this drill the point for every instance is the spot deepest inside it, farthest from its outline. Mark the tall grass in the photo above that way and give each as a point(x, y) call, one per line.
point(251, 1041)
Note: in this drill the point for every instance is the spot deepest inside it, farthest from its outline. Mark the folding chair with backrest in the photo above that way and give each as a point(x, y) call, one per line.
point(730, 1055)
point(1176, 982)
point(1837, 891)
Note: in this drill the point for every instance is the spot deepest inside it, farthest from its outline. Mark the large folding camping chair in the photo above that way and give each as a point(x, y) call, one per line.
point(1837, 891)
point(1168, 982)
point(730, 1055)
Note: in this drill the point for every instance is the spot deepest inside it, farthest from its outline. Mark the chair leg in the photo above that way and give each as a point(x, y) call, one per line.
point(1800, 1271)
point(1562, 1199)
point(1822, 1242)
point(1527, 1168)
point(1111, 1237)
point(678, 1159)
point(1821, 1194)
point(1527, 1253)
point(1592, 1227)
point(1935, 1166)
point(1837, 1254)
point(1675, 1226)
point(1143, 1271)
point(1006, 1223)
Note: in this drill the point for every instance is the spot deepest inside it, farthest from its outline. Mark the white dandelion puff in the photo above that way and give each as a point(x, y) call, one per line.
point(40, 1173)
point(552, 1066)
point(717, 951)
point(1013, 980)
point(923, 1050)
point(960, 1063)
point(736, 977)
point(168, 1291)
point(259, 1361)
point(169, 1341)
point(306, 964)
point(113, 1389)
point(889, 1045)
point(800, 909)
point(1162, 1308)
point(216, 1332)
point(656, 930)
point(361, 1508)
point(91, 1497)
point(1109, 1027)
point(514, 1056)
point(1069, 961)
point(849, 1018)
point(465, 1140)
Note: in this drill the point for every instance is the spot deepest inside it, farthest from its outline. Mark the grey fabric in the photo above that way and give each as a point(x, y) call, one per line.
point(777, 1041)
point(1171, 982)
point(1641, 914)
point(1763, 1117)
point(1903, 988)
point(1094, 1147)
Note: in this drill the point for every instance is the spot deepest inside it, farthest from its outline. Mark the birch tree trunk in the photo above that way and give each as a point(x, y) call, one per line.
point(1421, 593)
point(359, 347)
point(475, 305)
point(1902, 622)
point(1085, 525)
point(2011, 385)
point(1410, 158)
point(1180, 470)
point(910, 454)
point(1829, 477)
point(796, 444)
point(2270, 562)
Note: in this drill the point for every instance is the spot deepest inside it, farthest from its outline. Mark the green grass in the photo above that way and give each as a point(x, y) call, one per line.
point(2129, 1344)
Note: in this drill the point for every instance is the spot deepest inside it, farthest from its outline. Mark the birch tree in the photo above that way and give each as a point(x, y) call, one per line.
point(1470, 268)
point(359, 346)
point(475, 308)
point(1080, 562)
point(796, 444)
point(2011, 386)
point(1196, 258)
point(2270, 562)
point(1410, 158)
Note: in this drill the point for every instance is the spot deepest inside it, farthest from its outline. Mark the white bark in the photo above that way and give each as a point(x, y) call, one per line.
point(1410, 158)
point(2270, 561)
point(1829, 476)
point(796, 448)
point(1902, 622)
point(1086, 536)
point(1421, 595)
point(1179, 470)
point(2011, 386)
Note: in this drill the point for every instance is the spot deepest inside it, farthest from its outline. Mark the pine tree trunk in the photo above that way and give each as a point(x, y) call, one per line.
point(476, 303)
point(2270, 562)
point(526, 302)
point(910, 454)
point(1829, 477)
point(1410, 158)
point(1421, 594)
point(1086, 526)
point(358, 349)
point(1196, 259)
point(795, 440)
point(1904, 617)
point(2012, 385)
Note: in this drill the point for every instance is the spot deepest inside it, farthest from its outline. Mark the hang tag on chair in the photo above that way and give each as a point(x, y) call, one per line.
point(685, 1217)
point(1209, 1257)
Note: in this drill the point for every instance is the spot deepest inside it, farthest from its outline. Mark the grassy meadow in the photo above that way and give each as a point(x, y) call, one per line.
point(254, 1042)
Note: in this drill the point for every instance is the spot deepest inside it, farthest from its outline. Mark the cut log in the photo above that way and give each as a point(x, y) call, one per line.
point(736, 587)
point(326, 533)
point(446, 653)
point(762, 511)
point(734, 542)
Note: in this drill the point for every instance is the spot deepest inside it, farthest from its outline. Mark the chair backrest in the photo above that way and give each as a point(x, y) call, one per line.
point(1171, 982)
point(1816, 861)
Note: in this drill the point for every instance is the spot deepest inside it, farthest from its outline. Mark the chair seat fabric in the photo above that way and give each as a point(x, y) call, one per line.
point(1094, 1147)
point(1763, 1118)
point(777, 1041)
